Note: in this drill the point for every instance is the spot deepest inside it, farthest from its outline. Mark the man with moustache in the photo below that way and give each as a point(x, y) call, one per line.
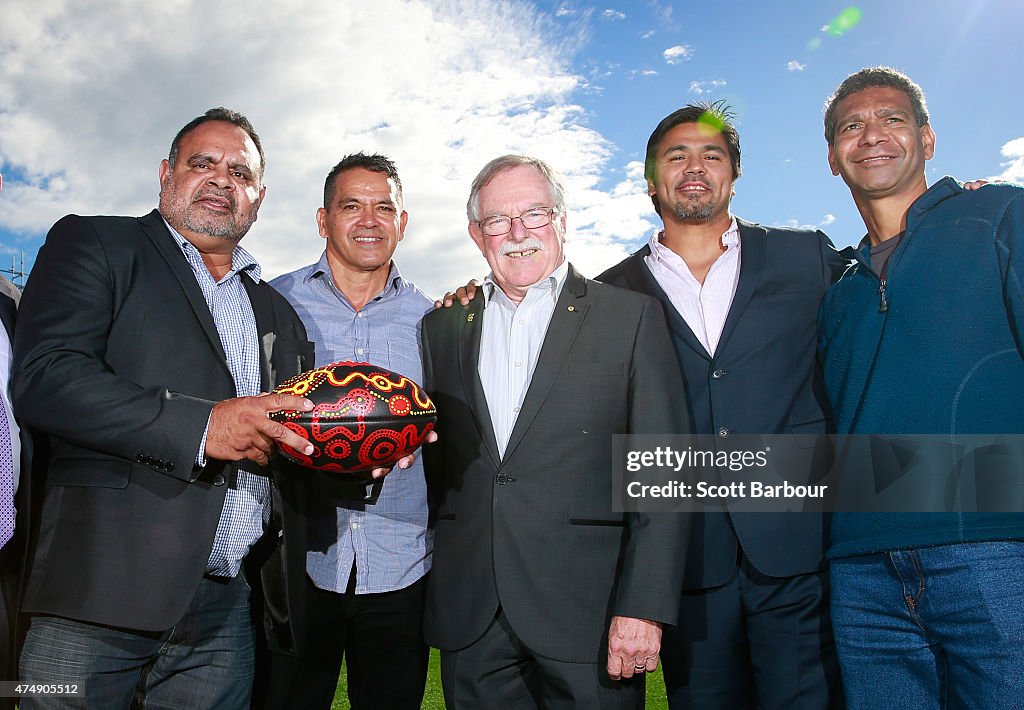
point(540, 595)
point(923, 336)
point(142, 347)
point(366, 562)
point(741, 302)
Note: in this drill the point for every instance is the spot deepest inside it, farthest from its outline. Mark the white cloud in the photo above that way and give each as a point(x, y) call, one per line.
point(613, 15)
point(825, 221)
point(678, 54)
point(705, 87)
point(563, 11)
point(794, 65)
point(1013, 169)
point(647, 35)
point(91, 95)
point(640, 72)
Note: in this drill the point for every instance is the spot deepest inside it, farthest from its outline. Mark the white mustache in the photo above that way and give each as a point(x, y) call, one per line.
point(529, 243)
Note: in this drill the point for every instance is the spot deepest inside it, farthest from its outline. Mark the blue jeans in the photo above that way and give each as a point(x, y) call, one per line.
point(932, 627)
point(204, 661)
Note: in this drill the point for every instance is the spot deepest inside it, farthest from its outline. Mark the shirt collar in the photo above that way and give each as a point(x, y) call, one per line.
point(553, 282)
point(322, 268)
point(241, 260)
point(730, 240)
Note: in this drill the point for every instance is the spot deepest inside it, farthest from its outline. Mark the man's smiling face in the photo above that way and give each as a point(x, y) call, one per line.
point(878, 148)
point(693, 176)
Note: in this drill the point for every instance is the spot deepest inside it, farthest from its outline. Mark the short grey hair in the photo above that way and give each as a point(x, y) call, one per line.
point(870, 78)
point(508, 162)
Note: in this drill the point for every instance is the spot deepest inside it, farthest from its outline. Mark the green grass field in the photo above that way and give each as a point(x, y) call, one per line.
point(434, 700)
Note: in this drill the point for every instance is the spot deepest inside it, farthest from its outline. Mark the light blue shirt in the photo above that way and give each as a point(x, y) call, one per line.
point(510, 344)
point(247, 501)
point(388, 541)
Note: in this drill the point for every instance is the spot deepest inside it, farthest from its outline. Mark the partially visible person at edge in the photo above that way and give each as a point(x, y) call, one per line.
point(923, 336)
point(366, 560)
point(741, 301)
point(15, 481)
point(540, 595)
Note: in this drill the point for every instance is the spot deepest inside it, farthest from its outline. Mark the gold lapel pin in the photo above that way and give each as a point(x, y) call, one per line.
point(469, 318)
point(570, 308)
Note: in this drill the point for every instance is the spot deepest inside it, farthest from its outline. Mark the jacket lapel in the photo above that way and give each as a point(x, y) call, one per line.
point(263, 310)
point(154, 227)
point(570, 311)
point(469, 329)
point(639, 278)
point(753, 250)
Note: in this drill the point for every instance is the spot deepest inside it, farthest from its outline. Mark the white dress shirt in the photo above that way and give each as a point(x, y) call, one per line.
point(510, 345)
point(705, 306)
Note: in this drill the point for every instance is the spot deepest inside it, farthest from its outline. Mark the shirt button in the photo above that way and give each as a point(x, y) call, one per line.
point(519, 364)
point(355, 526)
point(515, 409)
point(359, 351)
point(360, 314)
point(723, 432)
point(521, 321)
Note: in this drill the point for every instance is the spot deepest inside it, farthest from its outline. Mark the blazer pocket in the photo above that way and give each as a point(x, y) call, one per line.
point(94, 472)
point(596, 369)
point(810, 435)
point(599, 522)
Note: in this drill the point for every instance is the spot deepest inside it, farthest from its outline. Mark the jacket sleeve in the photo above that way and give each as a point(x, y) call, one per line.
point(63, 383)
point(654, 557)
point(1010, 252)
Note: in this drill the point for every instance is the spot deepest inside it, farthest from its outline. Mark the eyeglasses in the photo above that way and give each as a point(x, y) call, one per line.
point(532, 219)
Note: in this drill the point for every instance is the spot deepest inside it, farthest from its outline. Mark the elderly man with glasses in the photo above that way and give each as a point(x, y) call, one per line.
point(541, 595)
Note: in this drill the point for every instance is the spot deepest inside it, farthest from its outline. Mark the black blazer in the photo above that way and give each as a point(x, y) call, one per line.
point(763, 379)
point(118, 360)
point(12, 557)
point(534, 531)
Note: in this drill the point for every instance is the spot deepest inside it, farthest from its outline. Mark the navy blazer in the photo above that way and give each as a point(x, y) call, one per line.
point(763, 379)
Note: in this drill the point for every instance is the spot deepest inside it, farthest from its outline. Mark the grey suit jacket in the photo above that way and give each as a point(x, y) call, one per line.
point(534, 531)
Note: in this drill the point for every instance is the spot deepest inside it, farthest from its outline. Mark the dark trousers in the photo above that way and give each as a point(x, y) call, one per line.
point(204, 661)
point(498, 671)
point(756, 642)
point(380, 637)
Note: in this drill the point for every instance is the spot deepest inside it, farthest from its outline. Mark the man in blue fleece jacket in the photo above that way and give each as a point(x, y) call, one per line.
point(924, 336)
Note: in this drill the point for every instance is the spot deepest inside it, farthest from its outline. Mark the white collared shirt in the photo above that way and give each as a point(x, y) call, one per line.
point(510, 344)
point(705, 306)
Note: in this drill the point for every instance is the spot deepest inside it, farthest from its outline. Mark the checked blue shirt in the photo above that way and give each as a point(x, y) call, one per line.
point(247, 501)
point(388, 541)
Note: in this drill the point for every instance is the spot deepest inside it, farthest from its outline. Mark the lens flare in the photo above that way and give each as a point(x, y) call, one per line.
point(844, 21)
point(710, 124)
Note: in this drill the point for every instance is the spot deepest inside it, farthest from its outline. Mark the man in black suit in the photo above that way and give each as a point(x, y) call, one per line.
point(142, 348)
point(540, 595)
point(15, 457)
point(741, 302)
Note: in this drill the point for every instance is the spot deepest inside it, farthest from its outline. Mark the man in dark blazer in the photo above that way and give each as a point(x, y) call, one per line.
point(12, 549)
point(741, 302)
point(141, 346)
point(540, 594)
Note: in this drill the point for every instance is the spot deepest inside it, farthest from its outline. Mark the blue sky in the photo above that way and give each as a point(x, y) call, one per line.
point(91, 93)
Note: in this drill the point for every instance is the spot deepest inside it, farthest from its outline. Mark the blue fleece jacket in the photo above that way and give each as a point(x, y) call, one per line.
point(944, 357)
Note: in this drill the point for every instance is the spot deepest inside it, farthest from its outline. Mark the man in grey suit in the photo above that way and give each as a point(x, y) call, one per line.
point(540, 594)
point(741, 302)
